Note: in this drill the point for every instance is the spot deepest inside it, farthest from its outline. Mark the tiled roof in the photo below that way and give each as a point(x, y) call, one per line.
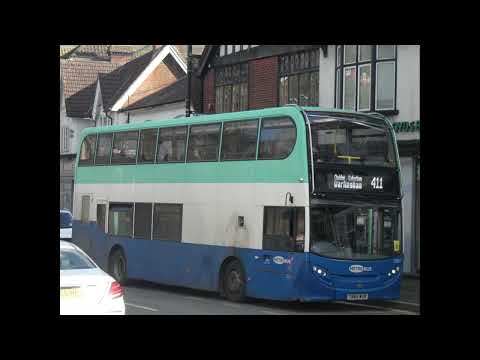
point(174, 92)
point(79, 82)
point(114, 84)
point(65, 49)
point(126, 48)
point(99, 51)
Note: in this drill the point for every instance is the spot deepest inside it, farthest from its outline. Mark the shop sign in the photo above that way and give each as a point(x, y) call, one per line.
point(406, 126)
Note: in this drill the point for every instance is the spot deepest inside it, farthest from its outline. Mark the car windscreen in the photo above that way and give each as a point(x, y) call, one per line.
point(73, 260)
point(65, 220)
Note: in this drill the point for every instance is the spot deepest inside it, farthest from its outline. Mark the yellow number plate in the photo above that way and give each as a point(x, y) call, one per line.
point(70, 293)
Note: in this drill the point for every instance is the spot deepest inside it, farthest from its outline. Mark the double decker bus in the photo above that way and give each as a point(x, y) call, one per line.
point(286, 203)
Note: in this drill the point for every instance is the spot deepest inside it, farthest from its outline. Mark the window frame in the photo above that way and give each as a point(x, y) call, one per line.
point(185, 149)
point(136, 148)
point(91, 162)
point(239, 121)
point(111, 148)
point(373, 61)
point(260, 135)
point(220, 85)
point(293, 226)
point(287, 74)
point(219, 141)
point(124, 203)
point(134, 236)
point(180, 222)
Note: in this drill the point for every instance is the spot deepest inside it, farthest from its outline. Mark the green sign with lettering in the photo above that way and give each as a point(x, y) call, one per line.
point(406, 126)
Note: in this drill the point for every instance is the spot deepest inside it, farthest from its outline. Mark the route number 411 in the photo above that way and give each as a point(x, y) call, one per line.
point(377, 183)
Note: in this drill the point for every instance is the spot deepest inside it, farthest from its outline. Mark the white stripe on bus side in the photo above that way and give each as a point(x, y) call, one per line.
point(209, 208)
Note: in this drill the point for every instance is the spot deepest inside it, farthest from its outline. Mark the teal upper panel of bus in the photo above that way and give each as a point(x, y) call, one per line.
point(289, 170)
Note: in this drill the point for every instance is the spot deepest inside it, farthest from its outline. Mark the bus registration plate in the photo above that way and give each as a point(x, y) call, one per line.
point(357, 296)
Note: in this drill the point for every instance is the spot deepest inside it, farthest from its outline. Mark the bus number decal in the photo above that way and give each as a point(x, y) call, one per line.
point(377, 182)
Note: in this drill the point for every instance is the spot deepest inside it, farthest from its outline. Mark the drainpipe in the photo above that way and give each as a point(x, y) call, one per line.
point(189, 78)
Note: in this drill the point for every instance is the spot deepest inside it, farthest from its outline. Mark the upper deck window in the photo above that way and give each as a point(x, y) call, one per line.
point(357, 142)
point(277, 138)
point(171, 144)
point(146, 149)
point(203, 142)
point(239, 141)
point(104, 148)
point(125, 147)
point(87, 151)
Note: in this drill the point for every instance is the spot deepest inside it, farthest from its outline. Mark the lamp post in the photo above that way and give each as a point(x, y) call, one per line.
point(189, 79)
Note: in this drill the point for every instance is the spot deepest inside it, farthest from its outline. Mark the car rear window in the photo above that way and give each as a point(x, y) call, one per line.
point(65, 220)
point(71, 259)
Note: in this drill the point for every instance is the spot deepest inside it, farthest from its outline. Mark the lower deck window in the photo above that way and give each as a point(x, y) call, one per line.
point(167, 222)
point(120, 219)
point(143, 221)
point(284, 228)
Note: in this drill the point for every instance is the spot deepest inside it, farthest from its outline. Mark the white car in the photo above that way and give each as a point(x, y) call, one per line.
point(85, 289)
point(65, 225)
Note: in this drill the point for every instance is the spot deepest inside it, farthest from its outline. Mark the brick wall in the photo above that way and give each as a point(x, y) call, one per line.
point(209, 92)
point(263, 83)
point(157, 80)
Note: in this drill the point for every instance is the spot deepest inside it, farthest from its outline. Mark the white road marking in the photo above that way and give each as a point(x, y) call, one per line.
point(270, 312)
point(193, 298)
point(232, 305)
point(141, 307)
point(377, 307)
point(404, 303)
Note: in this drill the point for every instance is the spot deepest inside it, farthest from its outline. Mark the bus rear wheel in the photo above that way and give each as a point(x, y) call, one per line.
point(234, 281)
point(118, 266)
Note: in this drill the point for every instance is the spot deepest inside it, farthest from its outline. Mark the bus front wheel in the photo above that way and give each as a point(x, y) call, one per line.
point(234, 281)
point(118, 266)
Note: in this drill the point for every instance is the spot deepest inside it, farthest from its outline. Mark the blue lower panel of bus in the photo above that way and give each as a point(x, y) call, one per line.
point(275, 275)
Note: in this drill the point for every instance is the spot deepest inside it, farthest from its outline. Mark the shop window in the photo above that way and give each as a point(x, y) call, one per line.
point(298, 83)
point(366, 77)
point(231, 88)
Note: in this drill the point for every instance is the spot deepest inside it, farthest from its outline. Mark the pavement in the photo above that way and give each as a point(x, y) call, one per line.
point(144, 298)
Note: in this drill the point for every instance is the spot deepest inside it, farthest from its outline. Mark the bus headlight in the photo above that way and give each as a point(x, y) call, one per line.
point(319, 271)
point(394, 271)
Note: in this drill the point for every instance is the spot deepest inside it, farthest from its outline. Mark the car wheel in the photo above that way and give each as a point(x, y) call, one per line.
point(118, 267)
point(234, 281)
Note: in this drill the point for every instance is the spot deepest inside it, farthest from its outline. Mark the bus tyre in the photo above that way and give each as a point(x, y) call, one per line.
point(234, 281)
point(118, 266)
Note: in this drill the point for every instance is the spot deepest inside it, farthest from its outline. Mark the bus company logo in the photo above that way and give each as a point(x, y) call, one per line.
point(359, 268)
point(281, 260)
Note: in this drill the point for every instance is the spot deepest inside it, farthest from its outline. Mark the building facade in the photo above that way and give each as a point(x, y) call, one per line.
point(370, 78)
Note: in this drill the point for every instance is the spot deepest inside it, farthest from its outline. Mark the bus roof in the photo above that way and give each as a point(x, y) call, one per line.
point(292, 110)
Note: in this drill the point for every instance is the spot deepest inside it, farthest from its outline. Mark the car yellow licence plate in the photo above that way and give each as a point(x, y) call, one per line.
point(70, 293)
